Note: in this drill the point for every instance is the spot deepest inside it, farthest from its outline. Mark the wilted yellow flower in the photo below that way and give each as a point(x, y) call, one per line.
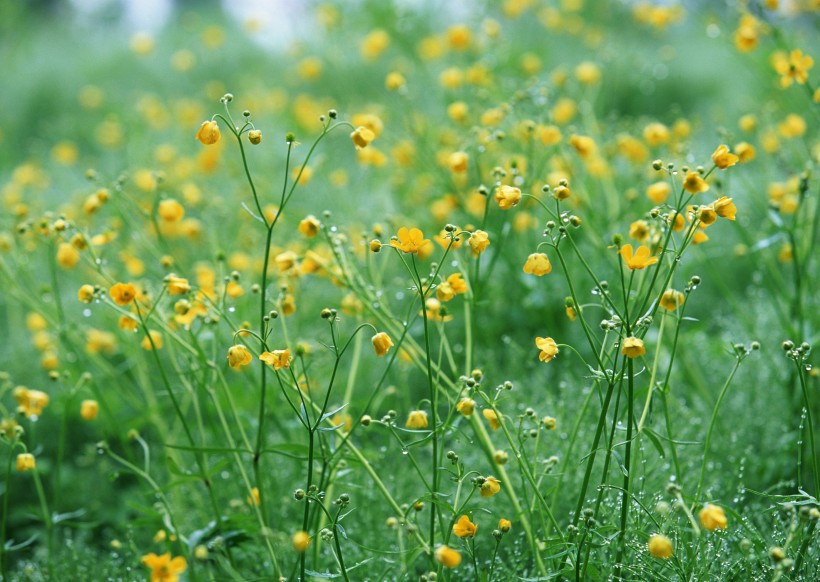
point(548, 347)
point(492, 418)
point(26, 462)
point(712, 517)
point(164, 568)
point(464, 528)
point(490, 487)
point(660, 546)
point(362, 136)
point(122, 293)
point(633, 347)
point(723, 158)
point(447, 557)
point(382, 343)
point(89, 409)
point(208, 133)
point(409, 240)
point(507, 196)
point(640, 259)
point(277, 358)
point(239, 356)
point(416, 419)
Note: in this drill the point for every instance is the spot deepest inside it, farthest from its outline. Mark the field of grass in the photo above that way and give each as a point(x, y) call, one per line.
point(515, 290)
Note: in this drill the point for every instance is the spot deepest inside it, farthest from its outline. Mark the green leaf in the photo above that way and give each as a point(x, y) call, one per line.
point(655, 441)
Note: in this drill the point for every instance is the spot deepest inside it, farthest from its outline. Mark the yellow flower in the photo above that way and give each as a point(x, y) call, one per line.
point(239, 356)
point(255, 136)
point(177, 285)
point(706, 215)
point(30, 402)
point(122, 293)
point(538, 264)
point(504, 525)
point(490, 487)
point(458, 162)
point(277, 358)
point(492, 418)
point(507, 196)
point(362, 136)
point(155, 337)
point(794, 68)
point(671, 299)
point(300, 541)
point(723, 159)
point(479, 241)
point(26, 462)
point(409, 240)
point(86, 293)
point(171, 210)
point(725, 208)
point(633, 347)
point(163, 568)
point(394, 81)
point(208, 133)
point(640, 259)
point(67, 256)
point(712, 517)
point(660, 546)
point(309, 226)
point(464, 528)
point(416, 419)
point(658, 192)
point(693, 183)
point(454, 285)
point(381, 343)
point(254, 498)
point(89, 409)
point(561, 192)
point(447, 557)
point(548, 347)
point(466, 406)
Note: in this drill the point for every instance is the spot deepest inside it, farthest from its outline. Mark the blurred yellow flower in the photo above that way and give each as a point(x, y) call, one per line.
point(309, 226)
point(26, 462)
point(67, 256)
point(660, 546)
point(694, 184)
point(164, 568)
point(447, 557)
point(89, 409)
point(458, 162)
point(86, 293)
point(30, 402)
point(492, 418)
point(154, 337)
point(793, 68)
point(712, 517)
point(177, 285)
point(171, 210)
point(362, 136)
point(466, 406)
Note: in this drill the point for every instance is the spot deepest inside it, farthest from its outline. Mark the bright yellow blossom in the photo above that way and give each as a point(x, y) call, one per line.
point(479, 241)
point(490, 487)
point(239, 356)
point(277, 358)
point(26, 462)
point(660, 546)
point(548, 347)
point(447, 557)
point(725, 208)
point(122, 293)
point(409, 240)
point(633, 347)
point(640, 259)
point(507, 196)
point(694, 184)
point(362, 136)
point(89, 409)
point(793, 68)
point(164, 568)
point(723, 158)
point(382, 343)
point(671, 299)
point(492, 418)
point(416, 419)
point(208, 133)
point(464, 528)
point(712, 517)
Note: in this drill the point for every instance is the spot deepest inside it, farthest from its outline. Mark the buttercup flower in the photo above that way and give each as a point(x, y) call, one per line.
point(30, 402)
point(794, 68)
point(208, 133)
point(479, 241)
point(464, 528)
point(177, 285)
point(458, 162)
point(492, 418)
point(381, 343)
point(164, 568)
point(490, 487)
point(538, 264)
point(504, 525)
point(89, 409)
point(255, 136)
point(86, 293)
point(640, 259)
point(548, 347)
point(507, 196)
point(712, 517)
point(633, 347)
point(706, 215)
point(660, 546)
point(239, 356)
point(277, 358)
point(466, 406)
point(452, 286)
point(309, 226)
point(671, 299)
point(725, 208)
point(410, 240)
point(447, 557)
point(416, 419)
point(723, 159)
point(362, 137)
point(300, 541)
point(694, 184)
point(122, 293)
point(26, 462)
point(171, 210)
